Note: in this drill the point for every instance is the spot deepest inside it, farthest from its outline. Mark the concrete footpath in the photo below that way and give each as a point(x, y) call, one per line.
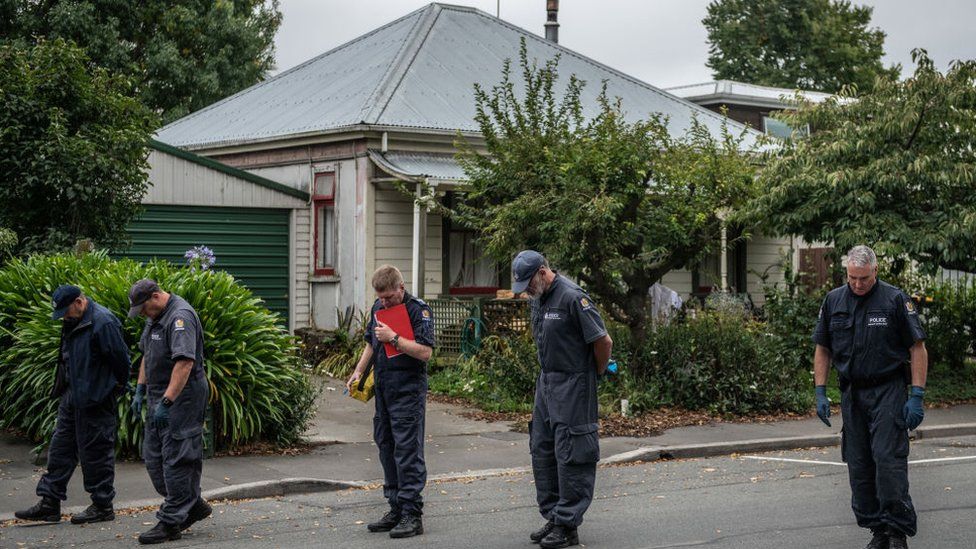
point(344, 455)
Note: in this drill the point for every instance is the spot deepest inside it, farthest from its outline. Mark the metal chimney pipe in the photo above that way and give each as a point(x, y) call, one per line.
point(552, 26)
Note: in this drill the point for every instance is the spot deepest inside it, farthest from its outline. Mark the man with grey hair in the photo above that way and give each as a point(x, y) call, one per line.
point(574, 349)
point(871, 333)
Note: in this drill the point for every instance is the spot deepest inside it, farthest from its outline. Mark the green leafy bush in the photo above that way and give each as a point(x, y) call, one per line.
point(949, 318)
point(341, 351)
point(500, 378)
point(722, 363)
point(8, 241)
point(257, 389)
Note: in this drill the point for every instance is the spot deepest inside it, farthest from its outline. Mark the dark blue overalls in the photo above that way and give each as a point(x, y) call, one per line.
point(174, 454)
point(563, 436)
point(869, 338)
point(93, 368)
point(401, 405)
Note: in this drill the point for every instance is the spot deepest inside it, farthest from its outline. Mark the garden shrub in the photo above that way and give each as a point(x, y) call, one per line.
point(949, 317)
point(501, 377)
point(258, 390)
point(722, 363)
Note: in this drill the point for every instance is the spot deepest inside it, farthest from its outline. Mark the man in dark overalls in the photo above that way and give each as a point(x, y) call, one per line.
point(870, 331)
point(93, 368)
point(401, 402)
point(574, 349)
point(173, 378)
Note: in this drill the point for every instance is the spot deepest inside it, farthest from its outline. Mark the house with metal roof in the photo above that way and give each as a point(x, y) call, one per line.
point(356, 125)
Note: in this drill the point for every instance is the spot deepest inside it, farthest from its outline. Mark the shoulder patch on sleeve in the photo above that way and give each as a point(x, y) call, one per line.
point(179, 324)
point(910, 307)
point(585, 303)
point(425, 314)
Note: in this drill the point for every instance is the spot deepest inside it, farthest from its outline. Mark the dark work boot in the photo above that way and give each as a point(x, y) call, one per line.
point(897, 540)
point(561, 536)
point(200, 510)
point(537, 536)
point(160, 533)
point(94, 513)
point(879, 540)
point(47, 510)
point(387, 523)
point(408, 527)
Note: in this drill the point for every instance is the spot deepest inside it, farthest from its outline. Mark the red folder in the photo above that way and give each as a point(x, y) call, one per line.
point(399, 321)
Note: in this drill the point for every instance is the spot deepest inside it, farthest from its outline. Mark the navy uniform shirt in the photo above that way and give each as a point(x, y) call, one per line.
point(175, 335)
point(422, 322)
point(565, 323)
point(869, 336)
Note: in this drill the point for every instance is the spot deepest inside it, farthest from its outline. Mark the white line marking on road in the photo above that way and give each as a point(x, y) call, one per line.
point(937, 460)
point(810, 461)
point(818, 462)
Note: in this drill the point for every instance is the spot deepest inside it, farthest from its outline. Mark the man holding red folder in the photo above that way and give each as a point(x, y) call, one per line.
point(400, 335)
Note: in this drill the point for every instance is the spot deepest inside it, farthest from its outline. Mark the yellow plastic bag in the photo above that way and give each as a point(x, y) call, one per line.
point(363, 389)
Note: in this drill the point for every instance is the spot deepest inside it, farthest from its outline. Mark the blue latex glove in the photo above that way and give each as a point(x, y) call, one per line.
point(138, 400)
point(160, 416)
point(612, 367)
point(823, 404)
point(914, 412)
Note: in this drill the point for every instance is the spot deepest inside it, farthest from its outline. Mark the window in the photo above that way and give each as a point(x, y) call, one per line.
point(467, 269)
point(782, 130)
point(323, 202)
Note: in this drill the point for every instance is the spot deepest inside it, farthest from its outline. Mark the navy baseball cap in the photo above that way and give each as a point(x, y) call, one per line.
point(524, 267)
point(139, 294)
point(62, 298)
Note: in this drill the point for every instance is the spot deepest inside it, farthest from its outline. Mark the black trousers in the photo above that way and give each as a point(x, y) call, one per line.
point(85, 434)
point(875, 448)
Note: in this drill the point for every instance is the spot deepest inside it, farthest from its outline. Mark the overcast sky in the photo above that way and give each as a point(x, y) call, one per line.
point(659, 41)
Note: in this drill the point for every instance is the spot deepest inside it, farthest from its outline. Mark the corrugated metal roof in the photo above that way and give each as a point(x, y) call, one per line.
point(416, 72)
point(417, 166)
point(730, 90)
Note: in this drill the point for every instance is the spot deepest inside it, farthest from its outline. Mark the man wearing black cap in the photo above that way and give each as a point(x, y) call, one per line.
point(172, 377)
point(574, 348)
point(93, 367)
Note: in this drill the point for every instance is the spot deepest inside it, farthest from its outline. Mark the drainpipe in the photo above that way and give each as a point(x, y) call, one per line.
point(419, 244)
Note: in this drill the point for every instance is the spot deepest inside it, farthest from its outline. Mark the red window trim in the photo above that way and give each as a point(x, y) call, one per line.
point(320, 201)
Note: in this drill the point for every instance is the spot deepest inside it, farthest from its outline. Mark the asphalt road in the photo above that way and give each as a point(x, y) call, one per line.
point(760, 501)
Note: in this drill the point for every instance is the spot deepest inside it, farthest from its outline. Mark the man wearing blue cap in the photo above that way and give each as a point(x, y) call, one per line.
point(93, 366)
point(574, 348)
point(173, 387)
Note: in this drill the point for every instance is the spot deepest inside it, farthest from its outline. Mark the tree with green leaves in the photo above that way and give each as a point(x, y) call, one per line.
point(615, 203)
point(181, 55)
point(72, 148)
point(820, 45)
point(894, 168)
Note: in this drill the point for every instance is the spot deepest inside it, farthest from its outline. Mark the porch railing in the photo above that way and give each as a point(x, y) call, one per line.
point(497, 317)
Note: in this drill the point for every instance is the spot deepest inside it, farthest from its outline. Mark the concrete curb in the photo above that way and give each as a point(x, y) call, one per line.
point(688, 451)
point(288, 486)
point(281, 487)
point(943, 431)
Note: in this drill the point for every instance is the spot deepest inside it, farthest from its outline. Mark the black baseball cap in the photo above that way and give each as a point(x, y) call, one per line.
point(62, 298)
point(524, 267)
point(139, 294)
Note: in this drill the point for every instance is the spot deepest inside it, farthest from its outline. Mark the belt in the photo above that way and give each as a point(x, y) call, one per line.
point(869, 382)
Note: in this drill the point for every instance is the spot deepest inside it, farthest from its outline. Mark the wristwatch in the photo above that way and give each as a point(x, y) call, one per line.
point(395, 342)
point(167, 402)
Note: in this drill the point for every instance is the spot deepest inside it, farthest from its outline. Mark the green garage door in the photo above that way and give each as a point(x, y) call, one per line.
point(249, 243)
